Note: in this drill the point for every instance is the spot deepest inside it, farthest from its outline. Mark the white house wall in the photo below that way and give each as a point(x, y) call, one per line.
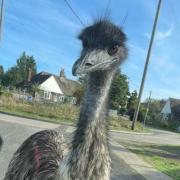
point(51, 85)
point(167, 108)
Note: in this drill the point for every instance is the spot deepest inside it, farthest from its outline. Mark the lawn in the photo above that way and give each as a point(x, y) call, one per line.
point(57, 113)
point(165, 158)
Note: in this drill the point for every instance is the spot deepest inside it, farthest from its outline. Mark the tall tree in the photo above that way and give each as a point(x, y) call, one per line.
point(23, 64)
point(79, 92)
point(119, 91)
point(132, 101)
point(155, 108)
point(19, 72)
point(1, 73)
point(10, 77)
point(118, 94)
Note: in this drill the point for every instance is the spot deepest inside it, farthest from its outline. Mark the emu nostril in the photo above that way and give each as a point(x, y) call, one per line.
point(88, 64)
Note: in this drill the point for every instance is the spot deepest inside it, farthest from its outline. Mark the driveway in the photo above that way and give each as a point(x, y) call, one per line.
point(15, 130)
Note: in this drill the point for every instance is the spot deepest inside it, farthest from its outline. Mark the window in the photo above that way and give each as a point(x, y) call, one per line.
point(61, 98)
point(47, 95)
point(165, 116)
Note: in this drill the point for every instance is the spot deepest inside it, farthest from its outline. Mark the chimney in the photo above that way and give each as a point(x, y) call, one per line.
point(62, 73)
point(29, 74)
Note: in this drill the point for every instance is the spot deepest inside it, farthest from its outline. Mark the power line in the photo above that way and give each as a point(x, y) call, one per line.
point(73, 11)
point(146, 65)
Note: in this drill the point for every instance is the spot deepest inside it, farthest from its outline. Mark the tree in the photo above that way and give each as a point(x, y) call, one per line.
point(154, 109)
point(132, 101)
point(1, 73)
point(79, 92)
point(19, 72)
point(35, 89)
point(131, 106)
point(10, 77)
point(119, 91)
point(23, 64)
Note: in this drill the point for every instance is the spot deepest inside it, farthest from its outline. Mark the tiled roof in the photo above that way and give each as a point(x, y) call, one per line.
point(66, 85)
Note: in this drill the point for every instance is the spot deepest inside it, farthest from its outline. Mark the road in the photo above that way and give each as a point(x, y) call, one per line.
point(15, 130)
point(156, 137)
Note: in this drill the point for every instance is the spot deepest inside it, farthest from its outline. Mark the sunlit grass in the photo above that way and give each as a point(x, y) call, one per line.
point(165, 158)
point(56, 113)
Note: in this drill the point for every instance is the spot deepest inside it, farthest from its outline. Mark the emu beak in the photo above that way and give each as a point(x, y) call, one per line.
point(83, 64)
point(88, 62)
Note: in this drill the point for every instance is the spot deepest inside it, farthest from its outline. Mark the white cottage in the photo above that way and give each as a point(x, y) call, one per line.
point(55, 88)
point(171, 109)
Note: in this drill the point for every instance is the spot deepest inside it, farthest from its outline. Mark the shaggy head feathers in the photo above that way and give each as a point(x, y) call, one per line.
point(102, 34)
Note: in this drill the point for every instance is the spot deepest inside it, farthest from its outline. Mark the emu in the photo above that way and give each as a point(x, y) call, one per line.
point(42, 156)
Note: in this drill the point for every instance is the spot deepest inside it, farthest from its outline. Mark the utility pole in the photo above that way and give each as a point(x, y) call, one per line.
point(147, 109)
point(146, 66)
point(1, 18)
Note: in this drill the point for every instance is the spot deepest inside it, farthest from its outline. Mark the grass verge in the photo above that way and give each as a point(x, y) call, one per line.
point(165, 158)
point(57, 113)
point(122, 124)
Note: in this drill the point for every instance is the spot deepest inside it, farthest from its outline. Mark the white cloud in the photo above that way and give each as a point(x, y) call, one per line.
point(147, 35)
point(161, 35)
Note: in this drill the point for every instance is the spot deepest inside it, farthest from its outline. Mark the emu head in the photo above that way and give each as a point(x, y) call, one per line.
point(103, 48)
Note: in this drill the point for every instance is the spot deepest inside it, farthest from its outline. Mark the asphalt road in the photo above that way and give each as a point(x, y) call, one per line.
point(156, 137)
point(14, 134)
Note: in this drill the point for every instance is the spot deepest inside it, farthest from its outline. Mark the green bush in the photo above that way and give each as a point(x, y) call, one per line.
point(141, 114)
point(121, 123)
point(7, 94)
point(157, 122)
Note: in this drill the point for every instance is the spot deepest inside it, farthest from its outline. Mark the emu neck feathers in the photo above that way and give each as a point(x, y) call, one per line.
point(94, 107)
point(89, 158)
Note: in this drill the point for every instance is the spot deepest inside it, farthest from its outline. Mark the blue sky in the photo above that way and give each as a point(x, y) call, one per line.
point(47, 29)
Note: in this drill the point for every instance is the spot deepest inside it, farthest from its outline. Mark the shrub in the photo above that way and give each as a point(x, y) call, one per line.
point(141, 114)
point(123, 124)
point(7, 94)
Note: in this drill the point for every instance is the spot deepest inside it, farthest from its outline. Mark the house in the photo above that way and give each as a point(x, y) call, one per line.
point(171, 110)
point(53, 87)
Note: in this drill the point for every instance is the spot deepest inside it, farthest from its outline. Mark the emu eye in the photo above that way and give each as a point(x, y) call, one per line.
point(113, 50)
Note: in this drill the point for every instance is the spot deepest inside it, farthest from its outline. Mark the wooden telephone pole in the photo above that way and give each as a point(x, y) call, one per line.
point(146, 66)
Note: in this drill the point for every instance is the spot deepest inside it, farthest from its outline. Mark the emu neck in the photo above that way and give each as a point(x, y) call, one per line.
point(94, 107)
point(89, 158)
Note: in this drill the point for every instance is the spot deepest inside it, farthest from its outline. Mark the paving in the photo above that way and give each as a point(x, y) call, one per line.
point(125, 165)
